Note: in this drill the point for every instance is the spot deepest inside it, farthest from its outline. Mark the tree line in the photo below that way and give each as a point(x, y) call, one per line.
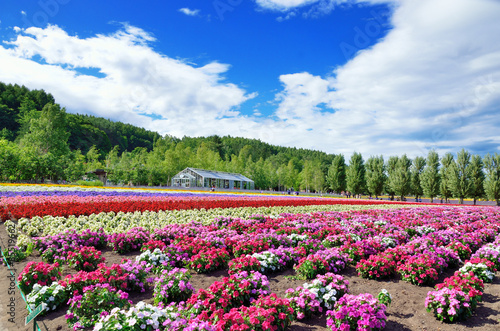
point(466, 176)
point(39, 141)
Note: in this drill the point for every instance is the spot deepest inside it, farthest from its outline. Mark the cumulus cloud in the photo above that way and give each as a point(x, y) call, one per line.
point(432, 82)
point(133, 79)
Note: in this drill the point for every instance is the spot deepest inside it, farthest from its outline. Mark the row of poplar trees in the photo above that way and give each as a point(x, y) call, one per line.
point(467, 176)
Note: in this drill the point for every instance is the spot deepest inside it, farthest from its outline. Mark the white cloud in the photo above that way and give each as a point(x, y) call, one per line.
point(319, 5)
point(312, 8)
point(189, 12)
point(283, 5)
point(137, 80)
point(23, 13)
point(432, 82)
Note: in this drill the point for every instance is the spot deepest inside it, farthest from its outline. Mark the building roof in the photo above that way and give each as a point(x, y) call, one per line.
point(220, 175)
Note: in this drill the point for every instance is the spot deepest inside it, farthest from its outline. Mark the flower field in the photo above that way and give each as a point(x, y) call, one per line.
point(21, 203)
point(159, 260)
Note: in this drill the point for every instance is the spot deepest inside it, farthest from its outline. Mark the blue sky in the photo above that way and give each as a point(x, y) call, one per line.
point(374, 76)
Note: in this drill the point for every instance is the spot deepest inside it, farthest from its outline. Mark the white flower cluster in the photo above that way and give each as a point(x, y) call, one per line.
point(354, 236)
point(326, 295)
point(479, 269)
point(491, 247)
point(52, 296)
point(388, 242)
point(154, 258)
point(422, 230)
point(386, 293)
point(142, 315)
point(269, 262)
point(296, 238)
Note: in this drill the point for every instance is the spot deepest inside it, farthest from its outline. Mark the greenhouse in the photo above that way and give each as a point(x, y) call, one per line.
point(192, 177)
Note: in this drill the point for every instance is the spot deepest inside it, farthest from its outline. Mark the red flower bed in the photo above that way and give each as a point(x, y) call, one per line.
point(38, 273)
point(18, 208)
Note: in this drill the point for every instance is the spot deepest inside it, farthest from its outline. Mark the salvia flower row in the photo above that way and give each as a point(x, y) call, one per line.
point(29, 206)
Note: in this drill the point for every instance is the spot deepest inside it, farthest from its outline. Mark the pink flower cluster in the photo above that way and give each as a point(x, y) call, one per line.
point(357, 312)
point(172, 286)
point(243, 263)
point(38, 273)
point(269, 313)
point(209, 259)
point(449, 304)
point(328, 260)
point(232, 292)
point(114, 275)
point(304, 302)
point(422, 269)
point(85, 258)
point(132, 240)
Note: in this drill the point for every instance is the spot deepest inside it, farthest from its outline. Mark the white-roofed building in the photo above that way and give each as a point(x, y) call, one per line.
point(193, 177)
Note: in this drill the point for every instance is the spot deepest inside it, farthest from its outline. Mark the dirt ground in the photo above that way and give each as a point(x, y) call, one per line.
point(407, 311)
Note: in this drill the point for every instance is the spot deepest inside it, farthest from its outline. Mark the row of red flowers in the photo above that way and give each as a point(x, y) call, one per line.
point(94, 205)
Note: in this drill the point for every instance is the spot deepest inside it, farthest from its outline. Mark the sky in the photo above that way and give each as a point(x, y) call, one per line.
point(378, 77)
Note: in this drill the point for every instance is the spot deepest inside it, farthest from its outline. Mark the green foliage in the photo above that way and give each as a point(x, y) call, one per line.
point(492, 182)
point(391, 168)
point(89, 130)
point(6, 134)
point(92, 158)
point(311, 177)
point(12, 97)
point(444, 187)
point(13, 254)
point(355, 174)
point(47, 133)
point(417, 168)
point(459, 176)
point(6, 118)
point(292, 174)
point(430, 178)
point(336, 179)
point(477, 178)
point(9, 159)
point(375, 175)
point(75, 168)
point(89, 183)
point(400, 177)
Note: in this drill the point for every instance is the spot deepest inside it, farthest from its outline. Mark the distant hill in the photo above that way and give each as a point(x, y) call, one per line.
point(84, 130)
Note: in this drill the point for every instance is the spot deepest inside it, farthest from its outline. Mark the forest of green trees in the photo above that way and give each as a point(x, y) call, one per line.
point(40, 141)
